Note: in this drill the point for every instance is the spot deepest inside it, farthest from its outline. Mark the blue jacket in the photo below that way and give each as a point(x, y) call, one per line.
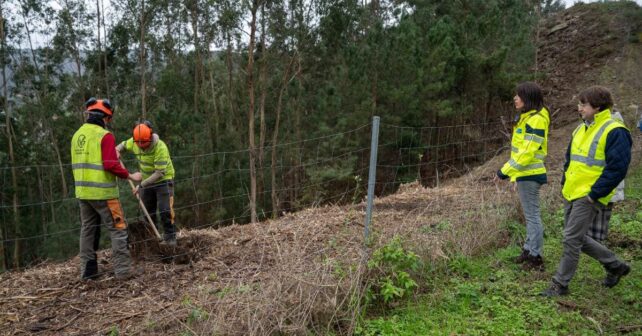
point(618, 157)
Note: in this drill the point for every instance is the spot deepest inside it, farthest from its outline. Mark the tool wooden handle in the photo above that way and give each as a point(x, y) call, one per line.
point(142, 206)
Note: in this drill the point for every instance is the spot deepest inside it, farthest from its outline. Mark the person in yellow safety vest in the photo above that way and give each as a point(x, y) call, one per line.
point(597, 160)
point(157, 188)
point(526, 167)
point(95, 169)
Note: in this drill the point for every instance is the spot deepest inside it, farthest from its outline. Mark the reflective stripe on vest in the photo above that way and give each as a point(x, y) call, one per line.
point(517, 166)
point(94, 184)
point(87, 166)
point(590, 159)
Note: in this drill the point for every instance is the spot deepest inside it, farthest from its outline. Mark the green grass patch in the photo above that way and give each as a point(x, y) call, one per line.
point(490, 295)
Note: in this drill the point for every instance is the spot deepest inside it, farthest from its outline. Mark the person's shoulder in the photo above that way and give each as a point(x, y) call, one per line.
point(541, 116)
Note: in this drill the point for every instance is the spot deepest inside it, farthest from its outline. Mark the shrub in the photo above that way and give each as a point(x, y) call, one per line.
point(391, 266)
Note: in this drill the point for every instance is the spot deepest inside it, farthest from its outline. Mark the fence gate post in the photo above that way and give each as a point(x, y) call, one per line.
point(372, 173)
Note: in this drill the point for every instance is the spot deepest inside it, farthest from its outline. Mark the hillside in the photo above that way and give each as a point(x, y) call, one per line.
point(301, 273)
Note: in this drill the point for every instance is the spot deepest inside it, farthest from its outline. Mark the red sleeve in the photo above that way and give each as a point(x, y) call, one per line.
point(110, 160)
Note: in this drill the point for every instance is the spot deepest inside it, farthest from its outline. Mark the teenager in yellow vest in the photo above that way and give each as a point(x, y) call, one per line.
point(526, 167)
point(95, 169)
point(157, 188)
point(597, 160)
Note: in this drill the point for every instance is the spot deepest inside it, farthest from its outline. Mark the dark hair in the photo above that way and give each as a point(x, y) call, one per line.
point(144, 122)
point(531, 94)
point(598, 97)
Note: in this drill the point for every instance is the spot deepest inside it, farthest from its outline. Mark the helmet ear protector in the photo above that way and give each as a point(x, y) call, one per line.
point(102, 105)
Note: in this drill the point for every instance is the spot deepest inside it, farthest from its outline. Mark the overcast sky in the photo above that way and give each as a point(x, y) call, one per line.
point(569, 3)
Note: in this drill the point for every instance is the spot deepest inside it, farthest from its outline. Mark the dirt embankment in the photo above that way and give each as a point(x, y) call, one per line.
point(301, 273)
point(591, 44)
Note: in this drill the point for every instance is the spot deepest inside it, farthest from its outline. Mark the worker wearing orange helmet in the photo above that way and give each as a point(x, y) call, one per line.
point(157, 187)
point(95, 168)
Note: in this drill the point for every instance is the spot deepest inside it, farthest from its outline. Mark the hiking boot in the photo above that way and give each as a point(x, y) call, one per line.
point(533, 263)
point(613, 275)
point(169, 239)
point(91, 270)
point(555, 290)
point(522, 257)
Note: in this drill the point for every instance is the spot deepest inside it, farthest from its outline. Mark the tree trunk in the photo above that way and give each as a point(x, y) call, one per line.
point(538, 9)
point(275, 137)
point(197, 56)
point(142, 60)
point(104, 54)
point(250, 113)
point(230, 78)
point(263, 85)
point(63, 180)
point(98, 46)
point(4, 264)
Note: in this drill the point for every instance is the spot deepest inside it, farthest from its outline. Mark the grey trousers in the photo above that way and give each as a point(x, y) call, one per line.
point(529, 198)
point(578, 216)
point(110, 214)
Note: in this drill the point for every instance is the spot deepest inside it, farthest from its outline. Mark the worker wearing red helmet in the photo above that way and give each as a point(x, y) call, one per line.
point(95, 168)
point(157, 187)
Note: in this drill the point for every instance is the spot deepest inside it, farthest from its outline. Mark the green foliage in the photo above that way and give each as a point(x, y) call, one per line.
point(113, 331)
point(391, 264)
point(196, 314)
point(629, 228)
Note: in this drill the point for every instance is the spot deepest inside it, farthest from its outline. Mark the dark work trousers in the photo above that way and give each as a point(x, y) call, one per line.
point(160, 196)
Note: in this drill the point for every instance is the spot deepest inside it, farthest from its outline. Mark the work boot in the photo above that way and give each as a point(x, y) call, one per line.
point(522, 257)
point(555, 290)
point(613, 274)
point(533, 263)
point(91, 270)
point(169, 239)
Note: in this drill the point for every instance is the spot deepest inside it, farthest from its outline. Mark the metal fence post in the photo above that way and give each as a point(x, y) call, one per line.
point(372, 172)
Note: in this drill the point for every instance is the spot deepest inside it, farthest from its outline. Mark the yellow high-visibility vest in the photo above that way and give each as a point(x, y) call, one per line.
point(152, 159)
point(529, 145)
point(588, 157)
point(91, 181)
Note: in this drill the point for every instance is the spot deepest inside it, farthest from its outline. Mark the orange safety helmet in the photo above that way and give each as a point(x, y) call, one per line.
point(102, 105)
point(142, 133)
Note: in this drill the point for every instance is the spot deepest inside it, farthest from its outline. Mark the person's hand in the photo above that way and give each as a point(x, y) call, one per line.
point(118, 154)
point(514, 186)
point(136, 189)
point(136, 177)
point(496, 179)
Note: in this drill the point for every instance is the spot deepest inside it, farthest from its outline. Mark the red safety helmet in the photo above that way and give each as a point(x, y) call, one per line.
point(102, 105)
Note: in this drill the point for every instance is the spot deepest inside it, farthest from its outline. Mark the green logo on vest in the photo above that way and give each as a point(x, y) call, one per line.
point(81, 141)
